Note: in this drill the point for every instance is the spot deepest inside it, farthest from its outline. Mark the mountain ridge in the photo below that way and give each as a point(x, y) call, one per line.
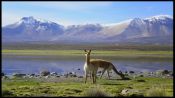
point(31, 29)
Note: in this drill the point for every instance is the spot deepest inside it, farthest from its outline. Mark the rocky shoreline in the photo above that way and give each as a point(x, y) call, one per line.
point(47, 74)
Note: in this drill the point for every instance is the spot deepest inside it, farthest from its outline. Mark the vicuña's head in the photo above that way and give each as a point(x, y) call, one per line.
point(122, 75)
point(87, 53)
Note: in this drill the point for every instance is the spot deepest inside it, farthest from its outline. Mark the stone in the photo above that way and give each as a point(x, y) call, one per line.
point(2, 74)
point(57, 76)
point(162, 72)
point(5, 77)
point(53, 73)
point(140, 75)
point(70, 73)
point(45, 73)
point(131, 71)
point(130, 92)
point(80, 76)
point(74, 75)
point(18, 75)
point(78, 68)
point(32, 74)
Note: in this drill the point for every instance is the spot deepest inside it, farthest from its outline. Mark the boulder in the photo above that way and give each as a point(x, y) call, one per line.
point(131, 72)
point(78, 68)
point(130, 92)
point(18, 75)
point(80, 76)
point(53, 73)
point(45, 73)
point(162, 72)
point(2, 74)
point(74, 75)
point(5, 77)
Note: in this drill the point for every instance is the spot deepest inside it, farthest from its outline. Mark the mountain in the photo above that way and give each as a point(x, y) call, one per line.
point(156, 29)
point(30, 29)
point(153, 30)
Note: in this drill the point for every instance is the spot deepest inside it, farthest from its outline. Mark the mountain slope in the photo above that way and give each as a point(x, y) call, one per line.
point(150, 28)
point(155, 29)
point(30, 29)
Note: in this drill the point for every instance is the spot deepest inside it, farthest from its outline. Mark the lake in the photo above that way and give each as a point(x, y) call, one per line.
point(64, 64)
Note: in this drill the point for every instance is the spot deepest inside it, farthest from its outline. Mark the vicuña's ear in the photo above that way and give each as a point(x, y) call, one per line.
point(89, 51)
point(85, 50)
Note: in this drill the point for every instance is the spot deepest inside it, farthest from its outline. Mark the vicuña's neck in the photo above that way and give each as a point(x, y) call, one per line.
point(88, 59)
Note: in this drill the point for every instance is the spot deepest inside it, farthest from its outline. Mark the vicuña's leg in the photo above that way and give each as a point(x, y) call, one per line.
point(108, 74)
point(93, 77)
point(102, 73)
point(85, 77)
point(90, 75)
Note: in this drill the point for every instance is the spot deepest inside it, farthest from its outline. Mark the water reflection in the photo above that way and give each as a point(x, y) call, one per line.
point(29, 64)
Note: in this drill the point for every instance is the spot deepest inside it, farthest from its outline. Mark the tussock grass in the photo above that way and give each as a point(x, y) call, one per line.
point(69, 87)
point(95, 92)
point(156, 91)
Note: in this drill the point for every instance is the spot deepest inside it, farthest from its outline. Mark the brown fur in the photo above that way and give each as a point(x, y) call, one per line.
point(106, 65)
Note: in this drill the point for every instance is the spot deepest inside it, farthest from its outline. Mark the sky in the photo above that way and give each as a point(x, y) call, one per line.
point(74, 13)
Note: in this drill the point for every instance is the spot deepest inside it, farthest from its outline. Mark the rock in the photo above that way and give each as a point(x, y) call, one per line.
point(140, 80)
point(32, 75)
point(65, 75)
point(131, 72)
point(57, 76)
point(162, 72)
point(130, 92)
point(74, 75)
point(70, 73)
point(124, 92)
point(2, 74)
point(18, 75)
point(78, 68)
point(47, 77)
point(7, 93)
point(80, 76)
point(45, 73)
point(165, 72)
point(53, 73)
point(140, 75)
point(5, 77)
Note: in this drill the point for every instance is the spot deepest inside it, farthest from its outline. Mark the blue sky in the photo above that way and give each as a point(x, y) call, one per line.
point(68, 13)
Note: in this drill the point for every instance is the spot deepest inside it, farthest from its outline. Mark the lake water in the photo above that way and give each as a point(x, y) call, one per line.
point(35, 64)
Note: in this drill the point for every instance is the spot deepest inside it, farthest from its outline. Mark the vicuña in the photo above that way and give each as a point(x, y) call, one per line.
point(91, 67)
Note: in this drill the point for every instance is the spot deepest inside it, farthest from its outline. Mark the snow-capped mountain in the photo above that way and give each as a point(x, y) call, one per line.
point(155, 29)
point(29, 28)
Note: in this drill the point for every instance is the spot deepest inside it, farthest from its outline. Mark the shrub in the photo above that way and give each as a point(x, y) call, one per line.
point(156, 92)
point(95, 92)
point(44, 73)
point(7, 93)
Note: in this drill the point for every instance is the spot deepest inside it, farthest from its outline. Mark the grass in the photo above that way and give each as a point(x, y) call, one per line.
point(76, 87)
point(95, 92)
point(97, 53)
point(157, 91)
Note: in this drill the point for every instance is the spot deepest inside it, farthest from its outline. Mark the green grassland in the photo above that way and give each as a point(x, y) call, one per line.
point(62, 87)
point(76, 87)
point(95, 53)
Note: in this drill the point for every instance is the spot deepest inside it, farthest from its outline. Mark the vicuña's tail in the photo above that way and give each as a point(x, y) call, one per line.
point(119, 73)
